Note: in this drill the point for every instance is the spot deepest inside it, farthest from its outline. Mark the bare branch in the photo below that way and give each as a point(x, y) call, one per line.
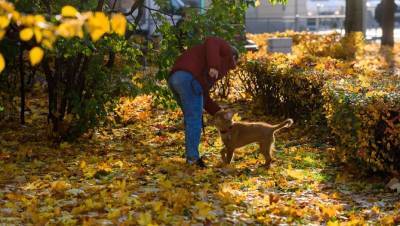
point(136, 5)
point(100, 5)
point(46, 4)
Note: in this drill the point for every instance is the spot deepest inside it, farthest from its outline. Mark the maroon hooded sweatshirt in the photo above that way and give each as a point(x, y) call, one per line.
point(213, 53)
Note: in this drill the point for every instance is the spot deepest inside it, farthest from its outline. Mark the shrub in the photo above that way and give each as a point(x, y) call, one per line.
point(82, 60)
point(365, 121)
point(331, 45)
point(329, 81)
point(292, 85)
point(283, 89)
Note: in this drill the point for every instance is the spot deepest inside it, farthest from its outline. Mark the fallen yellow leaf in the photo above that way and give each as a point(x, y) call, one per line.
point(60, 186)
point(145, 219)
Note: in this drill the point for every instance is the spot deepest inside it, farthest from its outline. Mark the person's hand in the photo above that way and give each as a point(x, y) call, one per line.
point(213, 73)
point(223, 107)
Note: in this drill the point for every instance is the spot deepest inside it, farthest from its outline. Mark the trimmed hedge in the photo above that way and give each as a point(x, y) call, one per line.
point(309, 44)
point(328, 81)
point(285, 91)
point(365, 121)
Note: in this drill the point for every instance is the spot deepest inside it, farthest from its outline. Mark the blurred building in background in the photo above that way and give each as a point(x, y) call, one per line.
point(297, 15)
point(148, 24)
point(126, 4)
point(269, 18)
point(309, 15)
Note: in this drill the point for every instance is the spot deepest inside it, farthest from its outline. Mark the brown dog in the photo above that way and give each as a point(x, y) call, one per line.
point(238, 134)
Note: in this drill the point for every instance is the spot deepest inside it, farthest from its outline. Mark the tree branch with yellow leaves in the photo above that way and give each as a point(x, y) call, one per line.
point(42, 34)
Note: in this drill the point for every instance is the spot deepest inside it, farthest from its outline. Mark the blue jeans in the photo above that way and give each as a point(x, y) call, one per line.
point(189, 95)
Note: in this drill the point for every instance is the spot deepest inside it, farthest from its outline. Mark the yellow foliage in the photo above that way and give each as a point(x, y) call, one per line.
point(2, 63)
point(388, 220)
point(329, 211)
point(129, 109)
point(70, 28)
point(296, 174)
point(69, 11)
point(333, 78)
point(118, 24)
point(39, 19)
point(145, 219)
point(60, 186)
point(27, 20)
point(203, 209)
point(4, 22)
point(333, 223)
point(105, 167)
point(2, 33)
point(150, 185)
point(6, 6)
point(98, 24)
point(113, 214)
point(26, 34)
point(36, 55)
point(71, 24)
point(38, 34)
point(157, 205)
point(82, 164)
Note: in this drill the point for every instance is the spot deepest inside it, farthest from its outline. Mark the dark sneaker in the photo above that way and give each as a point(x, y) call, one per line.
point(200, 163)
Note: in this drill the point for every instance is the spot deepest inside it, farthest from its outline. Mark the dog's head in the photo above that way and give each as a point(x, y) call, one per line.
point(223, 119)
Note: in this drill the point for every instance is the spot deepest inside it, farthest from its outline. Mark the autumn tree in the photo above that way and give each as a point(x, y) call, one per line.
point(67, 47)
point(84, 64)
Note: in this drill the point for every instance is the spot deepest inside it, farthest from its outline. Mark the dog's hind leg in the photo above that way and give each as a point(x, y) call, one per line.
point(266, 149)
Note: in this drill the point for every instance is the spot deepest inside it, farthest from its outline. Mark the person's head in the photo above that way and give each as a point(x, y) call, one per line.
point(235, 54)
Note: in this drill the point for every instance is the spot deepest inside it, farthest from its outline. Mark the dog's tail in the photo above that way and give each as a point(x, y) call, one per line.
point(285, 124)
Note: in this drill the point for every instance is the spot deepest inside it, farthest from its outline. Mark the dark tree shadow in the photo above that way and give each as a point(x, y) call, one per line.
point(388, 54)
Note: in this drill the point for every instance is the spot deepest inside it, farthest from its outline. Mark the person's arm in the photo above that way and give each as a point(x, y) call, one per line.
point(209, 105)
point(213, 57)
point(216, 50)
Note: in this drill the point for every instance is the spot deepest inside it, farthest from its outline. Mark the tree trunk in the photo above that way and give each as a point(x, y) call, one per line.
point(22, 83)
point(100, 5)
point(354, 16)
point(388, 17)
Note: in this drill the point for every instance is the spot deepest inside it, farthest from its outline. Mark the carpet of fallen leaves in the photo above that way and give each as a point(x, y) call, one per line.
point(133, 173)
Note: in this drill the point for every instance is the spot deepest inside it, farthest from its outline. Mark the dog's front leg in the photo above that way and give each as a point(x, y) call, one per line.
point(229, 155)
point(226, 139)
point(223, 154)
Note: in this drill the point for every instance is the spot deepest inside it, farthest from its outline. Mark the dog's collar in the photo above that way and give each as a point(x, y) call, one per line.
point(225, 131)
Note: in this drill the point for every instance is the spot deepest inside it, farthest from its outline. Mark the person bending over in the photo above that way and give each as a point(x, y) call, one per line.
point(192, 76)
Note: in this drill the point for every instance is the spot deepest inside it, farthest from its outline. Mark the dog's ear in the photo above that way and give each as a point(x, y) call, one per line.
point(228, 115)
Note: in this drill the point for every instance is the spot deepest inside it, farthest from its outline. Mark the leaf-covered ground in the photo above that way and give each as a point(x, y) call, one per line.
point(133, 173)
